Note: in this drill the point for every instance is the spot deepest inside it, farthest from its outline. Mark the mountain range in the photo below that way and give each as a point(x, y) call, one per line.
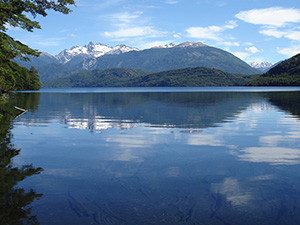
point(92, 51)
point(157, 59)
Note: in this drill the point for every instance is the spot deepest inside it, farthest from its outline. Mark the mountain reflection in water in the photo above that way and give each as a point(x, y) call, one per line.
point(163, 158)
point(106, 110)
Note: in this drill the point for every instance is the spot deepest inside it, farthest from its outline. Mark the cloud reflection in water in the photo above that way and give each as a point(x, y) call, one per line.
point(272, 155)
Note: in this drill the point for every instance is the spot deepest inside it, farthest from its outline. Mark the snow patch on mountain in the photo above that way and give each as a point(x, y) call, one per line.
point(182, 45)
point(190, 45)
point(263, 66)
point(92, 50)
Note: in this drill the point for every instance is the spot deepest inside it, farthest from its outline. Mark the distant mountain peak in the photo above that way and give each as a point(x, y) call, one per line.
point(92, 51)
point(190, 45)
point(262, 66)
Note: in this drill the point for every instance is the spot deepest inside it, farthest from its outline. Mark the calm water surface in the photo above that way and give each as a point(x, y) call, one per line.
point(161, 156)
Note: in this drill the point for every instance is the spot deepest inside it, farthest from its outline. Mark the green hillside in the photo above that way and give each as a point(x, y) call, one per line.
point(120, 77)
point(162, 59)
point(287, 73)
point(189, 77)
point(116, 77)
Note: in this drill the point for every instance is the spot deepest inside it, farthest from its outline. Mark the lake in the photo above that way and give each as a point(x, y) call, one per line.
point(155, 156)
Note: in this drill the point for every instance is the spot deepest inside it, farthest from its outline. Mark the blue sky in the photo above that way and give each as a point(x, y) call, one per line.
point(253, 30)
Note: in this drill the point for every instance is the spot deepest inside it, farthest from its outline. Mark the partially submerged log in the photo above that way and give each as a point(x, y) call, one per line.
point(20, 109)
point(23, 111)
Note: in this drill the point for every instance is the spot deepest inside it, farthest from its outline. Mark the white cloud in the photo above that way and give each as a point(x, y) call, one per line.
point(125, 17)
point(177, 36)
point(272, 32)
point(134, 32)
point(290, 51)
point(293, 35)
point(210, 32)
point(274, 16)
point(241, 55)
point(129, 25)
point(229, 43)
point(252, 49)
point(231, 24)
point(248, 52)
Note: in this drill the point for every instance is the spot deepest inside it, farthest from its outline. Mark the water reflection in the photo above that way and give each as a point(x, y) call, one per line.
point(100, 111)
point(164, 158)
point(14, 201)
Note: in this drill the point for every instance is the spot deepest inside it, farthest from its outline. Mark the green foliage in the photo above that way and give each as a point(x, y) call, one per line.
point(157, 60)
point(189, 77)
point(117, 77)
point(287, 73)
point(16, 13)
point(19, 78)
point(14, 201)
point(120, 77)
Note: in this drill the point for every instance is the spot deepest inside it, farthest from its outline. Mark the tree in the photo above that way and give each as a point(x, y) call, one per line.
point(16, 13)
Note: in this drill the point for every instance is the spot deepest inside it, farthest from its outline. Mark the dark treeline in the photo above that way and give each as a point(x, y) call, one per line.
point(120, 77)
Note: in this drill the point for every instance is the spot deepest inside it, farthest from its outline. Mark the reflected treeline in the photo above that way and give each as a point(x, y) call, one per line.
point(14, 202)
point(287, 101)
point(177, 109)
point(192, 110)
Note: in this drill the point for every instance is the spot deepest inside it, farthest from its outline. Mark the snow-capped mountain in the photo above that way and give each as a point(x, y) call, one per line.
point(92, 51)
point(182, 45)
point(262, 66)
point(190, 45)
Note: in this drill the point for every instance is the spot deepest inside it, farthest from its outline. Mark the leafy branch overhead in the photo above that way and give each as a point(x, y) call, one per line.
point(18, 13)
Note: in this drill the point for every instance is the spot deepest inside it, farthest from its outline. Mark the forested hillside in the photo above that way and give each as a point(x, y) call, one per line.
point(157, 60)
point(286, 73)
point(119, 77)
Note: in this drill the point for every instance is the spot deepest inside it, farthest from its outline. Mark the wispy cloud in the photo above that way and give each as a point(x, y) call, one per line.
point(96, 5)
point(134, 32)
point(211, 32)
point(274, 16)
point(125, 17)
point(252, 49)
point(276, 22)
point(248, 53)
point(129, 25)
point(171, 2)
point(289, 51)
point(230, 43)
point(241, 55)
point(272, 32)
